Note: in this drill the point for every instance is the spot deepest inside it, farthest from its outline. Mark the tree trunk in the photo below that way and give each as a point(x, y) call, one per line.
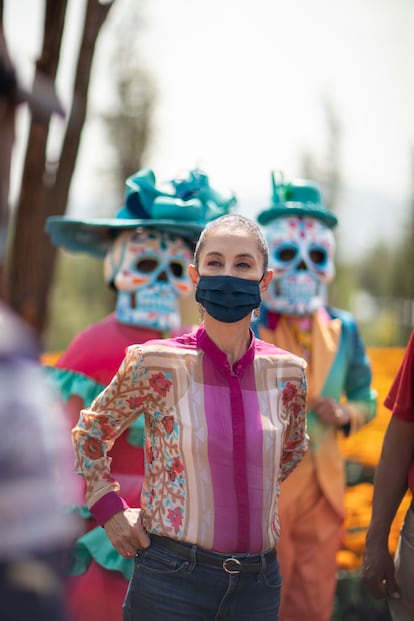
point(45, 191)
point(7, 136)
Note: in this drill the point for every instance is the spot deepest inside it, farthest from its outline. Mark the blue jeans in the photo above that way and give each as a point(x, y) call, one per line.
point(403, 609)
point(165, 587)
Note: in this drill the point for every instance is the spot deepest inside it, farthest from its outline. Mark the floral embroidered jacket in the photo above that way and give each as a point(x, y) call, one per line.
point(218, 439)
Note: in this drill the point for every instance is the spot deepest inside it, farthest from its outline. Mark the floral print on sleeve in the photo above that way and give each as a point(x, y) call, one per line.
point(131, 393)
point(293, 403)
point(163, 493)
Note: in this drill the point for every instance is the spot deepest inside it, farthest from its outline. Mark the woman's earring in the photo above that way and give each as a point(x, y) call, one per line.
point(201, 310)
point(256, 312)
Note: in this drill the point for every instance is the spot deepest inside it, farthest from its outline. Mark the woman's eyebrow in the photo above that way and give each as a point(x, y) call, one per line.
point(241, 255)
point(214, 252)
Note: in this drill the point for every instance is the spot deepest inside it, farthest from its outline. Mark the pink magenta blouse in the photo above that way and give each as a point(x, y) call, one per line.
point(218, 439)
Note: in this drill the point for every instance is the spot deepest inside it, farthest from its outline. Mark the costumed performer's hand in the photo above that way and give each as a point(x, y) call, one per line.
point(330, 411)
point(378, 572)
point(126, 533)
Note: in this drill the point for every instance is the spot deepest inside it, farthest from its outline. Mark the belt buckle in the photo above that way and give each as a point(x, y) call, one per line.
point(236, 569)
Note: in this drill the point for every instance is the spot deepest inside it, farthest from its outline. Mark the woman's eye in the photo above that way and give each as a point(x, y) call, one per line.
point(243, 266)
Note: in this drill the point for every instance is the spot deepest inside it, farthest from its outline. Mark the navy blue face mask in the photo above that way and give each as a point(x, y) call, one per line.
point(228, 298)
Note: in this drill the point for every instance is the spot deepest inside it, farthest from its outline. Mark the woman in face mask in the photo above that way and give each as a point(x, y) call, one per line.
point(224, 425)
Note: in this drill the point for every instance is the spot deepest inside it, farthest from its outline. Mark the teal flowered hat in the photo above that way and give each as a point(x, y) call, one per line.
point(182, 207)
point(298, 198)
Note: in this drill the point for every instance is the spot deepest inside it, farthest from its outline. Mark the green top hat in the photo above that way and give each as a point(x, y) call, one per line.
point(183, 209)
point(299, 198)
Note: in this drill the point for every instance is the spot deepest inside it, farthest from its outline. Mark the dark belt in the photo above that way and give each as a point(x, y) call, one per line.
point(232, 564)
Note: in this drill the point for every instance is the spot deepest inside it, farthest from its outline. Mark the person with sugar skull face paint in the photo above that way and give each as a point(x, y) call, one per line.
point(148, 269)
point(146, 249)
point(295, 315)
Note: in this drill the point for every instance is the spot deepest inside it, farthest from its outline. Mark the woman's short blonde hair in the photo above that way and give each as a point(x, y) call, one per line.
point(234, 222)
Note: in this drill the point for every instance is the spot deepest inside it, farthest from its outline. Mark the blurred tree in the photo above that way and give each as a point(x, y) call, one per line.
point(342, 288)
point(45, 185)
point(326, 169)
point(386, 273)
point(376, 281)
point(395, 278)
point(128, 121)
point(79, 296)
point(8, 103)
point(402, 287)
point(403, 274)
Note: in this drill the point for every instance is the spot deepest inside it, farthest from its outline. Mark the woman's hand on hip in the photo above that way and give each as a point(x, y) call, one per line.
point(126, 533)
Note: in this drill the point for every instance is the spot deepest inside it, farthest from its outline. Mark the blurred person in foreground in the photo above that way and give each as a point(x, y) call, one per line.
point(36, 459)
point(224, 418)
point(146, 249)
point(295, 315)
point(36, 483)
point(383, 575)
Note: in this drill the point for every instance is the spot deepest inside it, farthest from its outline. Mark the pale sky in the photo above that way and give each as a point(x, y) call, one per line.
point(240, 92)
point(242, 85)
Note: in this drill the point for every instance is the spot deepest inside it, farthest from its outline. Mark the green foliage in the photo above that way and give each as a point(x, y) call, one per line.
point(402, 283)
point(384, 331)
point(342, 287)
point(386, 277)
point(354, 603)
point(376, 270)
point(379, 288)
point(79, 298)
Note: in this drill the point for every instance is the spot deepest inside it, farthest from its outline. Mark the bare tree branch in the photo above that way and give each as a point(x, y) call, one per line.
point(32, 255)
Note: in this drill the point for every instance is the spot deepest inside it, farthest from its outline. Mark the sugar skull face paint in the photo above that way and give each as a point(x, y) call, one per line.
point(149, 271)
point(301, 254)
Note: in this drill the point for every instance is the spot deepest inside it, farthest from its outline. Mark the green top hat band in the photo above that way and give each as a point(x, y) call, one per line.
point(301, 198)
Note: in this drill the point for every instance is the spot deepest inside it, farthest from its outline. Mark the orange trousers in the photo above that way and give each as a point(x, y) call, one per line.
point(309, 540)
